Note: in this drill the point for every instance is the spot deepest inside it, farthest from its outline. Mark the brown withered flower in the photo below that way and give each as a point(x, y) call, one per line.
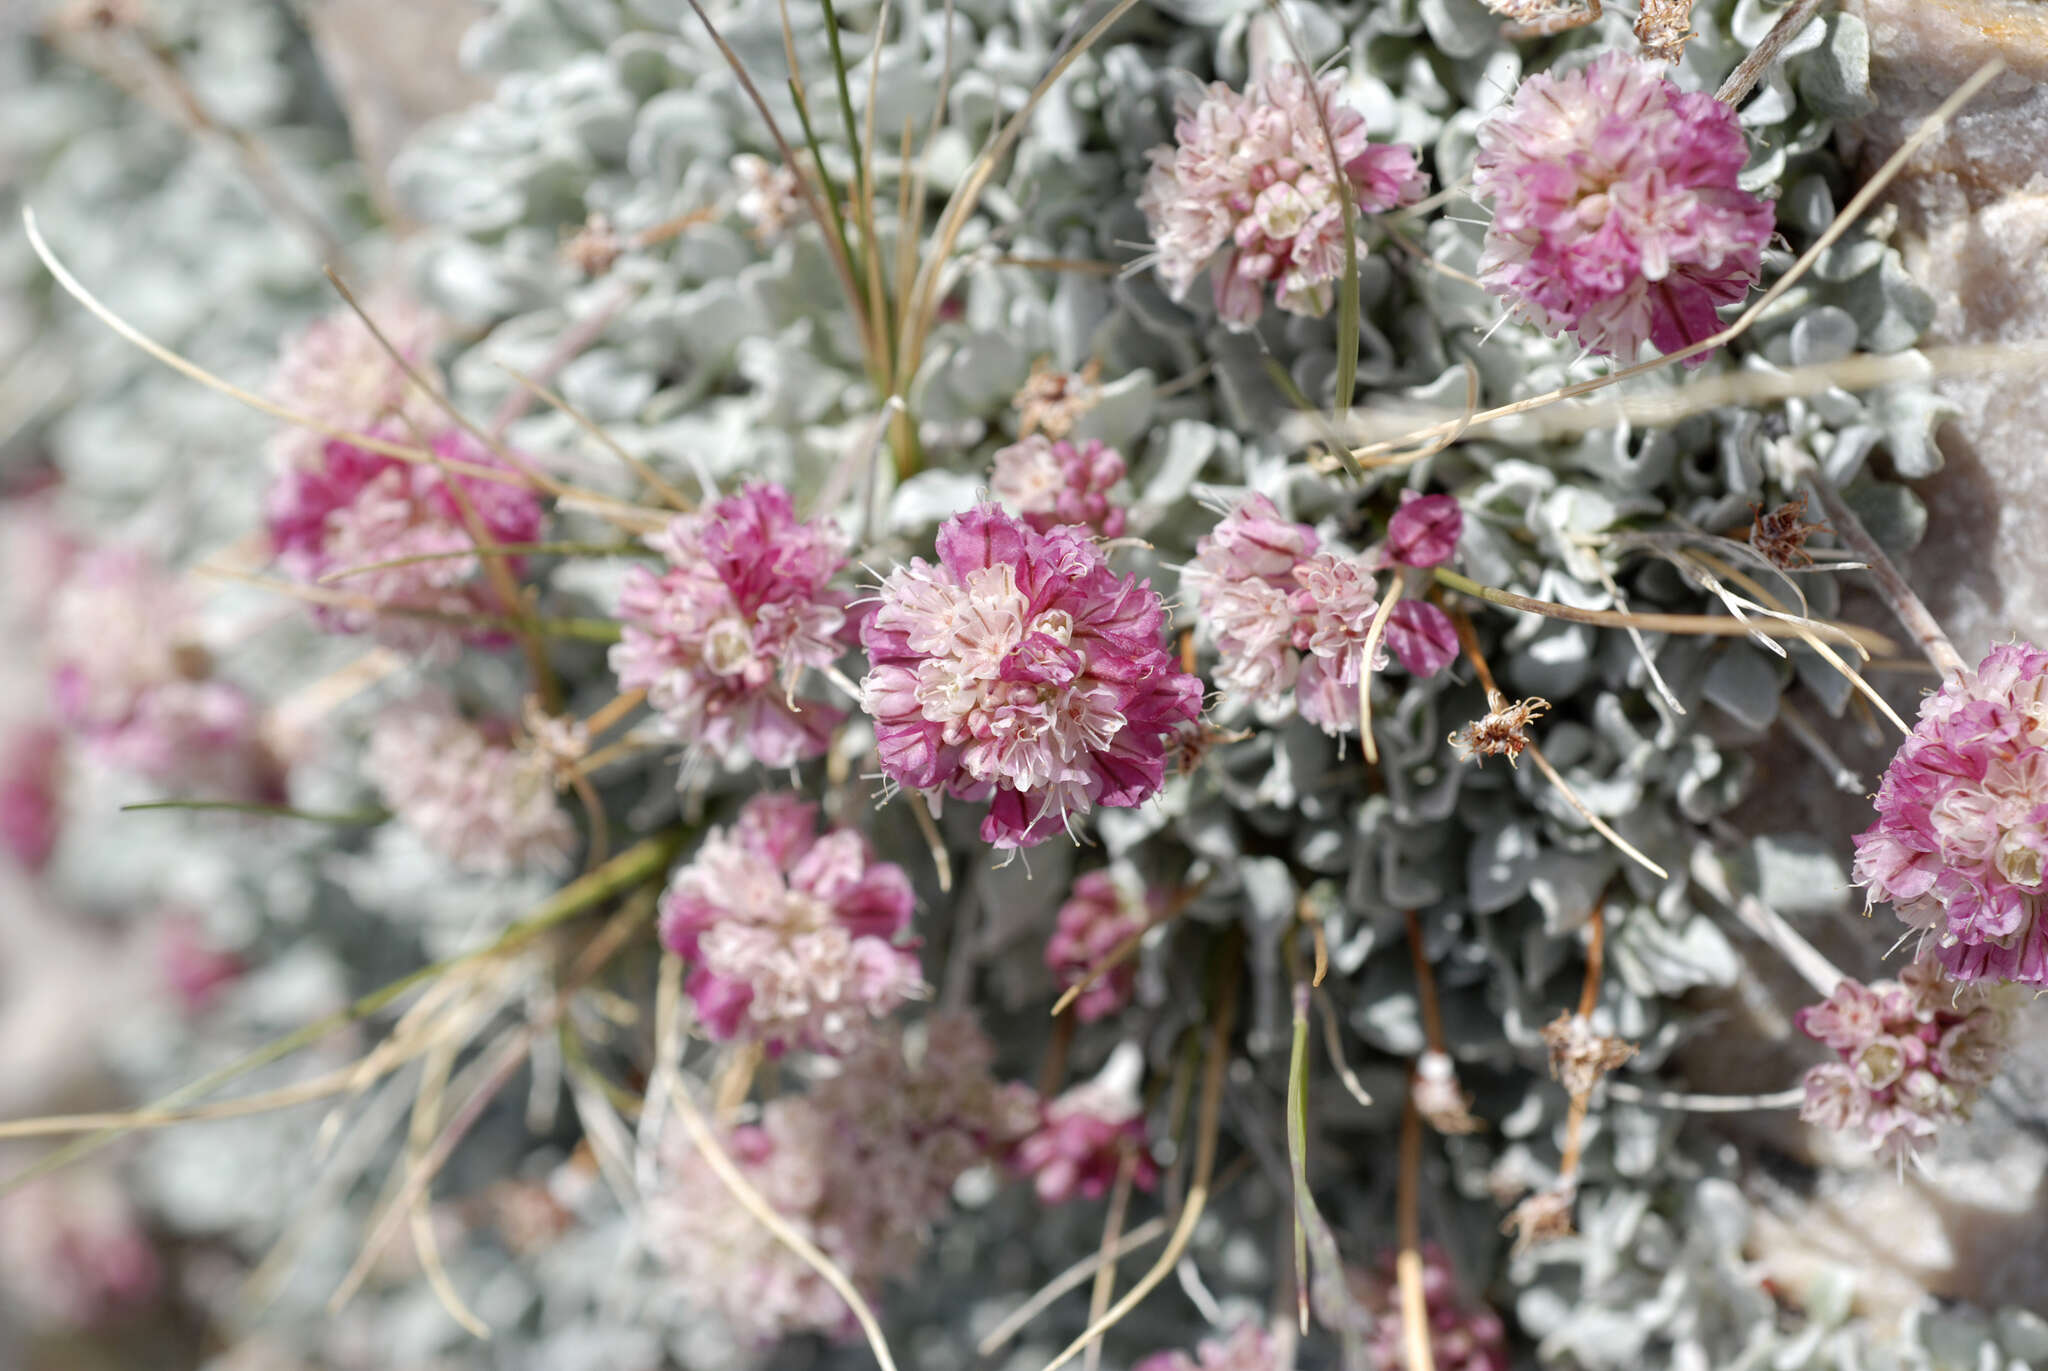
point(1579, 1057)
point(1503, 732)
point(1051, 401)
point(1664, 28)
point(1781, 534)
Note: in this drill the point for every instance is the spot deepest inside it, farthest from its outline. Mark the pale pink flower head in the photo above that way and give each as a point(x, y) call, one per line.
point(1960, 846)
point(863, 1165)
point(344, 507)
point(73, 1252)
point(31, 760)
point(337, 372)
point(1048, 482)
point(483, 804)
point(195, 968)
point(792, 937)
point(1250, 190)
point(1106, 907)
point(1464, 1335)
point(1617, 216)
point(1085, 1137)
point(132, 679)
point(1247, 1347)
point(1423, 531)
point(1910, 1055)
point(721, 639)
point(1290, 619)
point(1022, 670)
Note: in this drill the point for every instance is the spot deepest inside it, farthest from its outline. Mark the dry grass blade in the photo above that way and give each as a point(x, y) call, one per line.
point(1112, 1229)
point(750, 1199)
point(1223, 1018)
point(494, 550)
point(194, 372)
point(1333, 1044)
point(1598, 824)
point(1867, 640)
point(669, 494)
point(1766, 923)
point(1678, 1100)
point(1144, 1235)
point(426, 1114)
point(1373, 635)
point(1743, 79)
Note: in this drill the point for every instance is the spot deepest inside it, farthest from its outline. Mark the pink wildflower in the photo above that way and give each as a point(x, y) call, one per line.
point(483, 804)
point(131, 678)
point(349, 508)
point(1250, 190)
point(1021, 667)
point(337, 372)
point(1105, 908)
point(862, 1165)
point(30, 763)
point(1960, 846)
point(1290, 619)
point(1084, 1136)
point(73, 1253)
point(195, 968)
point(1617, 214)
point(1248, 1347)
point(720, 640)
point(791, 937)
point(1049, 482)
point(1423, 531)
point(1912, 1054)
point(1463, 1335)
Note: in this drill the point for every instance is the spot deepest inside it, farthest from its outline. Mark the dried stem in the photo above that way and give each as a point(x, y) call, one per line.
point(1425, 986)
point(1678, 1100)
point(1408, 1261)
point(1743, 79)
point(1112, 1229)
point(1890, 583)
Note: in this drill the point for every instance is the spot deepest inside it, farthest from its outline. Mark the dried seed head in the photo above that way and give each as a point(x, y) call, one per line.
point(559, 742)
point(1502, 732)
point(1544, 1216)
point(1051, 401)
point(1781, 534)
point(593, 248)
point(1541, 18)
point(1439, 1099)
point(1579, 1057)
point(1664, 28)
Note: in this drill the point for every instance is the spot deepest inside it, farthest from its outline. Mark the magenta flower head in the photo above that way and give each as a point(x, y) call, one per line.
point(483, 804)
point(1106, 907)
point(74, 1254)
point(1911, 1054)
point(1290, 619)
point(792, 938)
point(721, 639)
point(1617, 216)
point(1248, 1347)
point(1464, 1335)
point(350, 508)
point(132, 679)
point(1085, 1136)
point(337, 372)
point(1021, 669)
point(1424, 531)
point(1048, 483)
point(1250, 190)
point(31, 761)
point(1960, 846)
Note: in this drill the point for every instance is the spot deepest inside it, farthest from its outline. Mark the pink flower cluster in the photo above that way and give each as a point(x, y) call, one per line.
point(485, 805)
point(1960, 846)
point(1290, 619)
point(1105, 908)
point(132, 680)
point(73, 1253)
point(1049, 482)
point(336, 372)
point(862, 1165)
point(1617, 215)
point(1247, 1347)
point(1464, 1336)
point(1082, 1140)
point(1250, 189)
point(31, 760)
point(1423, 530)
point(721, 638)
point(1023, 670)
point(353, 508)
point(792, 937)
point(1913, 1054)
